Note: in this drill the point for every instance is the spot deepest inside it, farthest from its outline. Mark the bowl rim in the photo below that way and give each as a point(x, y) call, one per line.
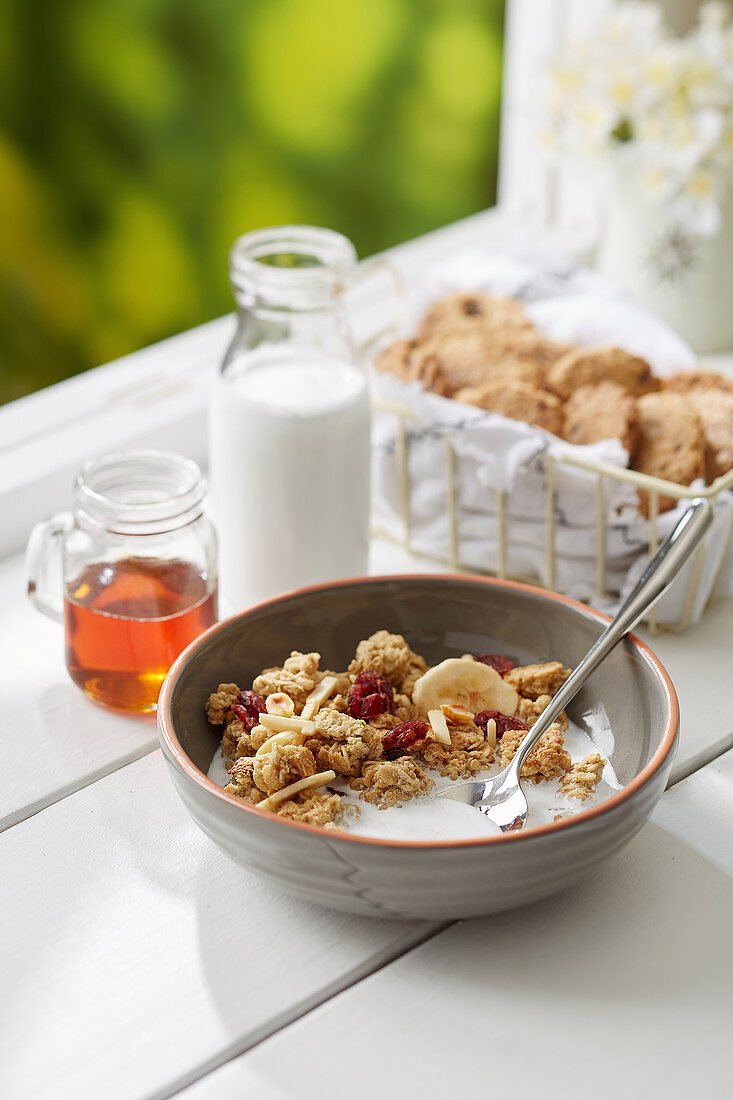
point(176, 754)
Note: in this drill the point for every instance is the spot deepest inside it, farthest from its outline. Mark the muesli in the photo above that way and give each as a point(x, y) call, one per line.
point(325, 747)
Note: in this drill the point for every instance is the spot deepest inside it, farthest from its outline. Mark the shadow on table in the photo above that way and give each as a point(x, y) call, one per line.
point(653, 924)
point(620, 987)
point(263, 952)
point(654, 921)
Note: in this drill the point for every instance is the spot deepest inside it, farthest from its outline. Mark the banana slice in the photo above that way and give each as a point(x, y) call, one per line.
point(466, 682)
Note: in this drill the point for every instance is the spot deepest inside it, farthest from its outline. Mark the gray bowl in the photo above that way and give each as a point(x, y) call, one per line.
point(441, 616)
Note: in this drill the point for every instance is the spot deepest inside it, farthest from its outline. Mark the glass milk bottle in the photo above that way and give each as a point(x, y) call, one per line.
point(289, 421)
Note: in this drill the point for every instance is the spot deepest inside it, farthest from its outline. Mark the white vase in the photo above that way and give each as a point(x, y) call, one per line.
point(685, 279)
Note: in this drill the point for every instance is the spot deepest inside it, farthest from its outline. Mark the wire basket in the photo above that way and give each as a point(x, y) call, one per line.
point(603, 473)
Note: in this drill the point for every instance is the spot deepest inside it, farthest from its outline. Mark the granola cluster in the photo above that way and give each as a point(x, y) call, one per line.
point(381, 723)
point(391, 782)
point(581, 778)
point(548, 760)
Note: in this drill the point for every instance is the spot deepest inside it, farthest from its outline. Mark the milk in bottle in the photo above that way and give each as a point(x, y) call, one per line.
point(289, 422)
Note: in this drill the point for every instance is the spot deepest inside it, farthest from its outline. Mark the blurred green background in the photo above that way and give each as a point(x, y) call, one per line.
point(138, 138)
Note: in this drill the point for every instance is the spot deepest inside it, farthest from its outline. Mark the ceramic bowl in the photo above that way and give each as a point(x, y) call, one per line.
point(441, 616)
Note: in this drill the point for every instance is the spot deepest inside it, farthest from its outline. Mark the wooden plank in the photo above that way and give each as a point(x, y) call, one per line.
point(699, 811)
point(135, 954)
point(619, 987)
point(54, 739)
point(161, 880)
point(698, 660)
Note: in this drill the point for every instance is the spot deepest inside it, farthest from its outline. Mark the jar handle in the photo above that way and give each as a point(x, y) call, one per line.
point(44, 565)
point(367, 270)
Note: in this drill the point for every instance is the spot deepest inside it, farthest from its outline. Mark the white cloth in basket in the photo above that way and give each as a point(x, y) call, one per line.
point(489, 453)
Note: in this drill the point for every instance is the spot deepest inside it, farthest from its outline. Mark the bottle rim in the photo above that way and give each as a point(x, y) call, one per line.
point(328, 259)
point(139, 492)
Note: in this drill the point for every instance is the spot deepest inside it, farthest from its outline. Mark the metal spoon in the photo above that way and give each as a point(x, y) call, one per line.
point(501, 797)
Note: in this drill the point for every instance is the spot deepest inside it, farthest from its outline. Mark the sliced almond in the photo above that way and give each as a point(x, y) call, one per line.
point(439, 726)
point(491, 732)
point(279, 724)
point(318, 697)
point(318, 780)
point(456, 712)
point(280, 703)
point(288, 737)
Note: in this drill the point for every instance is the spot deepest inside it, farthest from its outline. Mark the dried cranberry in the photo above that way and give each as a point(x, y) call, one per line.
point(370, 695)
point(248, 708)
point(404, 737)
point(503, 722)
point(497, 661)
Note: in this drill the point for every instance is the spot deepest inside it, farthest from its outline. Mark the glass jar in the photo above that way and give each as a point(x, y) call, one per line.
point(131, 573)
point(289, 420)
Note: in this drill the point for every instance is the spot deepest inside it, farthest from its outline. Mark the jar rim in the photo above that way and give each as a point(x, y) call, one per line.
point(142, 491)
point(330, 260)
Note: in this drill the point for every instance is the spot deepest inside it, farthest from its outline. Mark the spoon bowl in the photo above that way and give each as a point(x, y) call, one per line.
point(500, 798)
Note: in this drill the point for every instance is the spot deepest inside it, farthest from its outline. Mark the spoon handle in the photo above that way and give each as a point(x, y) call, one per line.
point(672, 555)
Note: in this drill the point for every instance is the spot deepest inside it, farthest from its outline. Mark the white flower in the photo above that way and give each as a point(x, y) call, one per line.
point(663, 104)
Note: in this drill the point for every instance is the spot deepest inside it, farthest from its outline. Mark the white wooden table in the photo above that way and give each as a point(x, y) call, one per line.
point(137, 962)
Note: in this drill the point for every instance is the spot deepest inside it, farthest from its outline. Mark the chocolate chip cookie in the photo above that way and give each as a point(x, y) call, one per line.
point(469, 312)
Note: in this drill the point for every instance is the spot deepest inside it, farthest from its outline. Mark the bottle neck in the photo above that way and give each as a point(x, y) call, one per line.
point(293, 268)
point(289, 284)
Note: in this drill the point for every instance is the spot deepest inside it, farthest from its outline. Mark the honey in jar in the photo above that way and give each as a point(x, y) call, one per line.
point(127, 621)
point(137, 565)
